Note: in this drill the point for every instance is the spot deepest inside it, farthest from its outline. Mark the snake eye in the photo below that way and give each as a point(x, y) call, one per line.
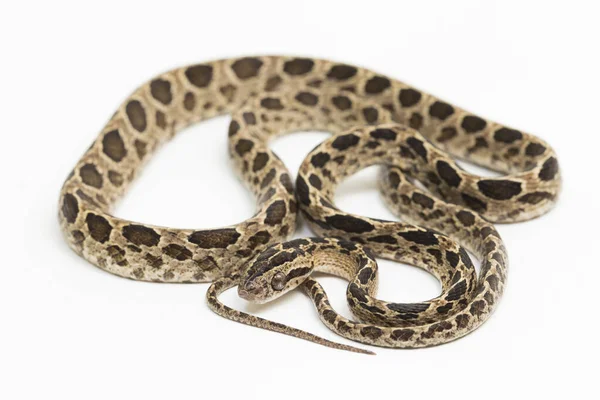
point(278, 281)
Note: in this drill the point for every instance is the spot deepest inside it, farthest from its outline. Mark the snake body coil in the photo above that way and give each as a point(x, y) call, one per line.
point(376, 120)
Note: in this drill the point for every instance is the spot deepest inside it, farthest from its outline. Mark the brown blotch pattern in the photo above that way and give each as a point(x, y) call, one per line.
point(90, 176)
point(136, 115)
point(161, 91)
point(113, 146)
point(141, 235)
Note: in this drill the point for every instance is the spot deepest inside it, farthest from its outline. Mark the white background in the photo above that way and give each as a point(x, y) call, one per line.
point(69, 330)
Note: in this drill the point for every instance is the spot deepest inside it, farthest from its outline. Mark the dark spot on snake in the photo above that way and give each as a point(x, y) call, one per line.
point(161, 120)
point(70, 208)
point(444, 309)
point(161, 90)
point(341, 72)
point(189, 101)
point(433, 178)
point(247, 67)
point(437, 254)
point(295, 244)
point(472, 124)
point(448, 173)
point(441, 110)
point(477, 308)
point(272, 83)
point(113, 146)
point(260, 161)
point(506, 135)
point(499, 189)
point(466, 218)
point(488, 231)
point(393, 179)
point(420, 237)
point(137, 115)
point(140, 148)
point(307, 98)
point(286, 181)
point(318, 298)
point(357, 292)
point(302, 191)
point(315, 181)
point(371, 332)
point(377, 84)
point(117, 254)
point(90, 176)
point(383, 134)
point(549, 169)
point(452, 258)
point(349, 223)
point(259, 238)
point(275, 213)
point(320, 159)
point(474, 203)
point(383, 239)
point(342, 103)
point(535, 197)
point(493, 281)
point(298, 66)
point(457, 291)
point(417, 146)
point(447, 134)
point(154, 261)
point(412, 308)
point(462, 321)
point(421, 199)
point(199, 75)
point(234, 127)
point(279, 258)
point(214, 238)
point(480, 143)
point(344, 142)
point(415, 121)
point(86, 198)
point(178, 252)
point(535, 149)
point(370, 114)
point(409, 97)
point(406, 152)
point(347, 245)
point(499, 258)
point(329, 316)
point(99, 227)
point(249, 118)
point(141, 235)
point(297, 272)
point(364, 275)
point(402, 335)
point(268, 178)
point(464, 256)
point(271, 103)
point(243, 146)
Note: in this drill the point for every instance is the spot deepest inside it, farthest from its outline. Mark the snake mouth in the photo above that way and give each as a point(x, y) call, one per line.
point(251, 295)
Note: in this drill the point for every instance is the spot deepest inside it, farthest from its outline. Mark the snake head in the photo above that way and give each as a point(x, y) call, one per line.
point(276, 271)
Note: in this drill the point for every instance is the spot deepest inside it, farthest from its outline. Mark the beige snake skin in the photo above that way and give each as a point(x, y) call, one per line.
point(377, 120)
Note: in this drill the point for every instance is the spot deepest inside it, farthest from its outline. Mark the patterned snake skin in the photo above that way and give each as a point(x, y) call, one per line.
point(375, 120)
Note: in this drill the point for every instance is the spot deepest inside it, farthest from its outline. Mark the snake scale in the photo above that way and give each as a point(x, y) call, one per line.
point(445, 210)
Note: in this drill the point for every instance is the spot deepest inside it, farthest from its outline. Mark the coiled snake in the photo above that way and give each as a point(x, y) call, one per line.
point(375, 120)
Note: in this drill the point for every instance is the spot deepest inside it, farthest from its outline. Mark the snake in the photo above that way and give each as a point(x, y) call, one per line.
point(445, 211)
